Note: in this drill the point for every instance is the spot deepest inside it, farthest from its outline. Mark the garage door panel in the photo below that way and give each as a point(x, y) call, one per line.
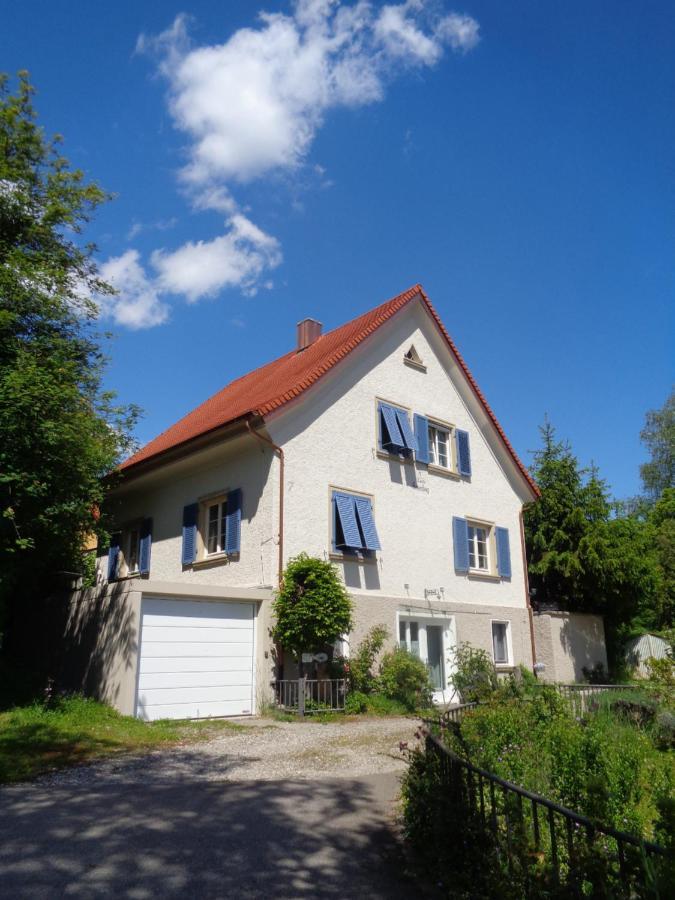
point(166, 648)
point(190, 711)
point(165, 664)
point(196, 695)
point(200, 612)
point(196, 659)
point(222, 678)
point(224, 634)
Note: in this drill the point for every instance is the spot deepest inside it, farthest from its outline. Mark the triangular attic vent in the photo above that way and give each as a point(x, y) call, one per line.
point(413, 357)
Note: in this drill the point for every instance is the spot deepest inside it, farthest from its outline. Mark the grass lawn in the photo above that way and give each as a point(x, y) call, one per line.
point(35, 739)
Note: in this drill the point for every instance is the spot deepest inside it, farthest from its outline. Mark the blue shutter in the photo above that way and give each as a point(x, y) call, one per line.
point(145, 545)
point(503, 552)
point(390, 433)
point(113, 556)
point(364, 511)
point(422, 435)
point(347, 514)
point(407, 432)
point(463, 452)
point(190, 515)
point(460, 539)
point(233, 522)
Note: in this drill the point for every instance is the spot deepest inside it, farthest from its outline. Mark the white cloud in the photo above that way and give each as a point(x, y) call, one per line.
point(235, 259)
point(254, 103)
point(196, 270)
point(137, 303)
point(251, 106)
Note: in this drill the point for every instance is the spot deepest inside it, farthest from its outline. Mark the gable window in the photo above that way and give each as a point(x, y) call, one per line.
point(212, 528)
point(354, 528)
point(439, 446)
point(412, 358)
point(129, 551)
point(500, 643)
point(395, 434)
point(478, 548)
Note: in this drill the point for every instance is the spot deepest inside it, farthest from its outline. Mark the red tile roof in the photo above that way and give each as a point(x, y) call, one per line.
point(271, 386)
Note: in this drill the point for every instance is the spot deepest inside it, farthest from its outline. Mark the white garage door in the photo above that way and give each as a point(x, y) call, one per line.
point(196, 659)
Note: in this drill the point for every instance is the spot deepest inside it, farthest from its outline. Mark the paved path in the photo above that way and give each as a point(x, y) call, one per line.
point(283, 811)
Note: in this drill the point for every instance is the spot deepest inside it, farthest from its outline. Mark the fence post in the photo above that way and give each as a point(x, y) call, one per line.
point(301, 695)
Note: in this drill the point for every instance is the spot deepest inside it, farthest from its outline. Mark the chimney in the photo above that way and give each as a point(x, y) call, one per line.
point(308, 331)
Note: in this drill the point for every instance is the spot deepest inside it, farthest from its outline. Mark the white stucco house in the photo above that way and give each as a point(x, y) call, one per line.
point(370, 445)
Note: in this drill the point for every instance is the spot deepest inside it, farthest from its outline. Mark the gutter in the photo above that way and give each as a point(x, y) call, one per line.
point(278, 450)
point(527, 592)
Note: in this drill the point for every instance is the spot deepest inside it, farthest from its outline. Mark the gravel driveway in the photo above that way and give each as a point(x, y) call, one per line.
point(275, 809)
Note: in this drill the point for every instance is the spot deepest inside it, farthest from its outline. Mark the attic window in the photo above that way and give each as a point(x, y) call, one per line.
point(412, 358)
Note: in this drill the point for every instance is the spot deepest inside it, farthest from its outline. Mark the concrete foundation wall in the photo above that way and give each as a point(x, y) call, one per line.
point(567, 643)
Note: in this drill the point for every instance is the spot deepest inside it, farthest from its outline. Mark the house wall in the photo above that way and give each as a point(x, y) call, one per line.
point(240, 463)
point(332, 441)
point(568, 642)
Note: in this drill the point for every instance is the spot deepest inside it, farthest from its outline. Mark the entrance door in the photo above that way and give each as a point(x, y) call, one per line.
point(432, 643)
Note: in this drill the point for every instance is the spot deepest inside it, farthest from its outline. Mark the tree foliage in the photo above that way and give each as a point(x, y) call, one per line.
point(658, 435)
point(583, 556)
point(312, 608)
point(61, 432)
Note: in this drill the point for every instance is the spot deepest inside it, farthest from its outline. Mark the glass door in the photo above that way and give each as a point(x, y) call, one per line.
point(435, 656)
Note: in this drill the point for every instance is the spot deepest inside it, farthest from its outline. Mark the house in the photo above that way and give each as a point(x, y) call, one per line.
point(370, 445)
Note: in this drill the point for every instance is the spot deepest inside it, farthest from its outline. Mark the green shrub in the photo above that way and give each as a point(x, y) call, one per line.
point(664, 735)
point(356, 703)
point(474, 676)
point(662, 671)
point(405, 678)
point(361, 676)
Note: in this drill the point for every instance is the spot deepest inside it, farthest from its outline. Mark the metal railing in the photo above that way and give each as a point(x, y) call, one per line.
point(307, 696)
point(529, 828)
point(581, 696)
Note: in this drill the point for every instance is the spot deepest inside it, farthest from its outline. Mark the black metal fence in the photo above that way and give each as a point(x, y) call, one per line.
point(307, 696)
point(538, 836)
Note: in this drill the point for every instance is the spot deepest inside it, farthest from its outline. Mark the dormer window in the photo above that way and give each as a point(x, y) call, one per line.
point(412, 358)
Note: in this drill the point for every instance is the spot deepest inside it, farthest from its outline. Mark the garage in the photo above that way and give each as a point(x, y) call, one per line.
point(195, 659)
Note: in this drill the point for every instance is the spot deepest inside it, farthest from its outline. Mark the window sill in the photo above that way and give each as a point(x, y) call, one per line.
point(352, 557)
point(395, 457)
point(130, 577)
point(441, 470)
point(216, 559)
point(414, 365)
point(483, 576)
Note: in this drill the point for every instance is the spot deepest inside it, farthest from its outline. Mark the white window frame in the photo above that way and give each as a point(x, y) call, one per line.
point(508, 662)
point(449, 642)
point(205, 505)
point(434, 456)
point(474, 546)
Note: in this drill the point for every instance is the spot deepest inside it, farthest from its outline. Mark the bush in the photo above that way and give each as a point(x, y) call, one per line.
point(664, 734)
point(356, 703)
point(404, 677)
point(662, 671)
point(361, 677)
point(475, 676)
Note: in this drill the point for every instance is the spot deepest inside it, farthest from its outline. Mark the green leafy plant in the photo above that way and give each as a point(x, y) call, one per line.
point(662, 671)
point(474, 676)
point(405, 678)
point(312, 608)
point(361, 675)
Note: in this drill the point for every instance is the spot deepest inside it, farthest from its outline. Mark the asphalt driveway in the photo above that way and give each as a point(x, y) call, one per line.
point(282, 810)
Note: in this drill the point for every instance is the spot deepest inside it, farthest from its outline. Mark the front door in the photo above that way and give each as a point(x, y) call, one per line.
point(432, 643)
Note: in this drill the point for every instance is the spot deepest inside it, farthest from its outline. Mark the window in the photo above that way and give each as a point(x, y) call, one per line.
point(478, 548)
point(129, 551)
point(212, 528)
point(216, 527)
point(481, 548)
point(412, 358)
point(353, 523)
point(500, 642)
point(439, 446)
point(395, 432)
point(409, 636)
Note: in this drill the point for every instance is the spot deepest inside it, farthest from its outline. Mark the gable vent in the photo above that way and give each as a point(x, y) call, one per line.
point(413, 358)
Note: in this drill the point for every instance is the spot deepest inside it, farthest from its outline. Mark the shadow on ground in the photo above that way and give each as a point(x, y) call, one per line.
point(179, 837)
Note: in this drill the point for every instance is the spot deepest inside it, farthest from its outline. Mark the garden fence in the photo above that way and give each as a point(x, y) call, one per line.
point(311, 695)
point(530, 829)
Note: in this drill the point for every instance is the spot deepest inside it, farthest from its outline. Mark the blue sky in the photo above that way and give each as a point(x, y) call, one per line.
point(518, 159)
